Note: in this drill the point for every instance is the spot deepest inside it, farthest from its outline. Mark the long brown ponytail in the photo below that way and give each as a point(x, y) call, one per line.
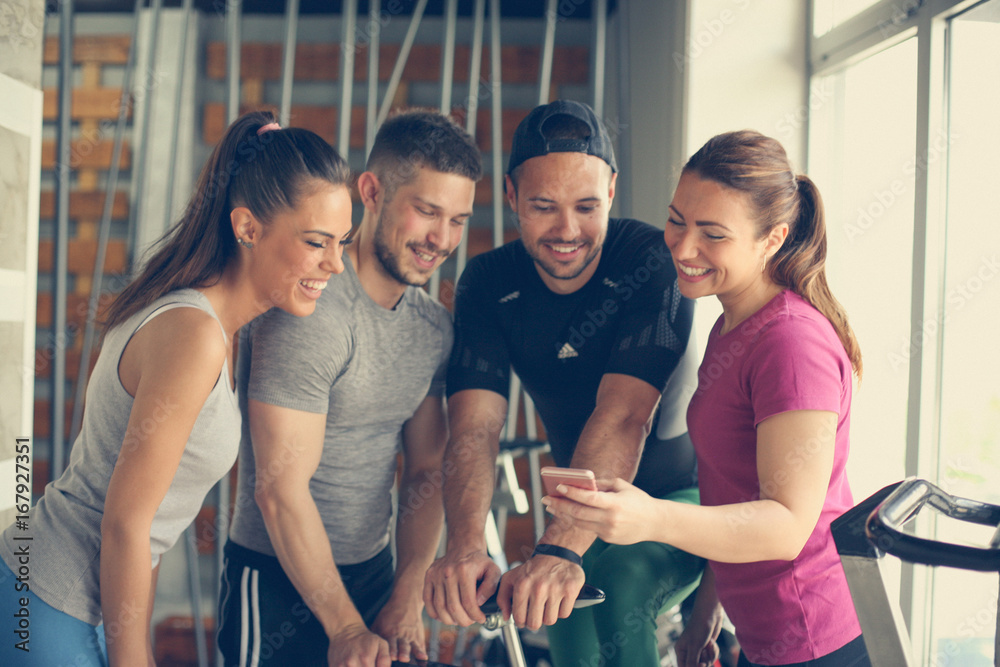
point(757, 165)
point(267, 172)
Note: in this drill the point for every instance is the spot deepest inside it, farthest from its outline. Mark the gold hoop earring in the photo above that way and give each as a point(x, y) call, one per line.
point(763, 263)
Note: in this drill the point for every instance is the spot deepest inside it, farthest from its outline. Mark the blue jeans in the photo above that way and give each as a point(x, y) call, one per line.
point(32, 633)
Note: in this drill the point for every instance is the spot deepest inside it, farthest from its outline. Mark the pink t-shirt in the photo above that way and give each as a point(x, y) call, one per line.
point(785, 357)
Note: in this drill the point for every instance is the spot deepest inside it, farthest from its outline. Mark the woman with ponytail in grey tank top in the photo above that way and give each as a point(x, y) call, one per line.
point(265, 228)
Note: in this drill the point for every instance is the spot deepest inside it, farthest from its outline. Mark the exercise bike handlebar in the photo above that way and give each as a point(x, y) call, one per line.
point(884, 527)
point(588, 596)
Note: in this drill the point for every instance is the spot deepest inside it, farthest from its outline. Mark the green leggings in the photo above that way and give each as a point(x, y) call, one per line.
point(641, 581)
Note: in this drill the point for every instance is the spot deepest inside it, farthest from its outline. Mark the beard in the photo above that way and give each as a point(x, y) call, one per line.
point(392, 263)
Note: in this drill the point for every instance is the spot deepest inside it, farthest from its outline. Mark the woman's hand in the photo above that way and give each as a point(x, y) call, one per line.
point(696, 646)
point(695, 649)
point(618, 512)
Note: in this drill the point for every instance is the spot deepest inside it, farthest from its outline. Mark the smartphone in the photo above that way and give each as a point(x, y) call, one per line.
point(579, 477)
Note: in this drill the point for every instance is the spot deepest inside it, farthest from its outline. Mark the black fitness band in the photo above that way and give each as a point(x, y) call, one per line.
point(558, 552)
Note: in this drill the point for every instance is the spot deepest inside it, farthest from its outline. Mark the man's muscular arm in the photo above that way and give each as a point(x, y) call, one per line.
point(418, 530)
point(452, 589)
point(287, 448)
point(611, 442)
point(544, 588)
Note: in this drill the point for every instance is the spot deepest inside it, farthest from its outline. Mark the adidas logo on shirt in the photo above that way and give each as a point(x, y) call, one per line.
point(567, 352)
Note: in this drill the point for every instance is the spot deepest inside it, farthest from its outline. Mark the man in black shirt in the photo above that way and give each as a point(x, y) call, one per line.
point(587, 312)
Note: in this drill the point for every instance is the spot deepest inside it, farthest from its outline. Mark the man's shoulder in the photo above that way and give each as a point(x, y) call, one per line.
point(336, 306)
point(495, 270)
point(631, 231)
point(505, 258)
point(427, 308)
point(333, 321)
point(633, 243)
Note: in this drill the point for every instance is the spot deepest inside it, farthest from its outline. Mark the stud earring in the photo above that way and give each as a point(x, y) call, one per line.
point(246, 244)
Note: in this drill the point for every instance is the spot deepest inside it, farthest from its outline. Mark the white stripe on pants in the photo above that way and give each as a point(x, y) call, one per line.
point(249, 612)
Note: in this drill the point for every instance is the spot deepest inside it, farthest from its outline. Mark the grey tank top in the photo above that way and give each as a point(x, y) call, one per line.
point(64, 527)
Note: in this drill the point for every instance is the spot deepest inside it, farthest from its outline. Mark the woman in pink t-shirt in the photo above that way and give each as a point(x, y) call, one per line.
point(770, 419)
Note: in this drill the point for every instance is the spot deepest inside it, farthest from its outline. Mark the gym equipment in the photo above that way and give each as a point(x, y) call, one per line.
point(875, 527)
point(588, 596)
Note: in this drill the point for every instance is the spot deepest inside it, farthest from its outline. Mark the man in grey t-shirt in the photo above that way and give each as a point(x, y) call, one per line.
point(330, 402)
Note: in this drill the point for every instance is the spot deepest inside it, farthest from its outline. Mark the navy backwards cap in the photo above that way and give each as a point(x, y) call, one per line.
point(529, 139)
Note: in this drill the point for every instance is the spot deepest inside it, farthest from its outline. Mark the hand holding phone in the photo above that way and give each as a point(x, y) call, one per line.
point(578, 477)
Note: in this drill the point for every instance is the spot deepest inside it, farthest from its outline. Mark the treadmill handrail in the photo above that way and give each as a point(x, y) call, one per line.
point(884, 527)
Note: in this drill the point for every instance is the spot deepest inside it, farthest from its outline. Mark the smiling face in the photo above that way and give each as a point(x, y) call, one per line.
point(563, 201)
point(712, 237)
point(422, 224)
point(295, 255)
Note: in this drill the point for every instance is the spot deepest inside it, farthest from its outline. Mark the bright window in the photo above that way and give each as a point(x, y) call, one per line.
point(868, 194)
point(965, 603)
point(929, 77)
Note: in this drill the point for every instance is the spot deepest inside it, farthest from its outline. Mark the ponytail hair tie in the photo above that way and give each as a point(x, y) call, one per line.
point(268, 128)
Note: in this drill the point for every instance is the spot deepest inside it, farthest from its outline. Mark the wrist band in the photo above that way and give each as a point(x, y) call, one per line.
point(558, 552)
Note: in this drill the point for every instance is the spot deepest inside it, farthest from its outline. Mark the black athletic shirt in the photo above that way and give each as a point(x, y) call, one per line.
point(629, 318)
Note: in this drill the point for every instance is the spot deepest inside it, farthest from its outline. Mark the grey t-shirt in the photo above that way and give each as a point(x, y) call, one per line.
point(64, 539)
point(368, 369)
